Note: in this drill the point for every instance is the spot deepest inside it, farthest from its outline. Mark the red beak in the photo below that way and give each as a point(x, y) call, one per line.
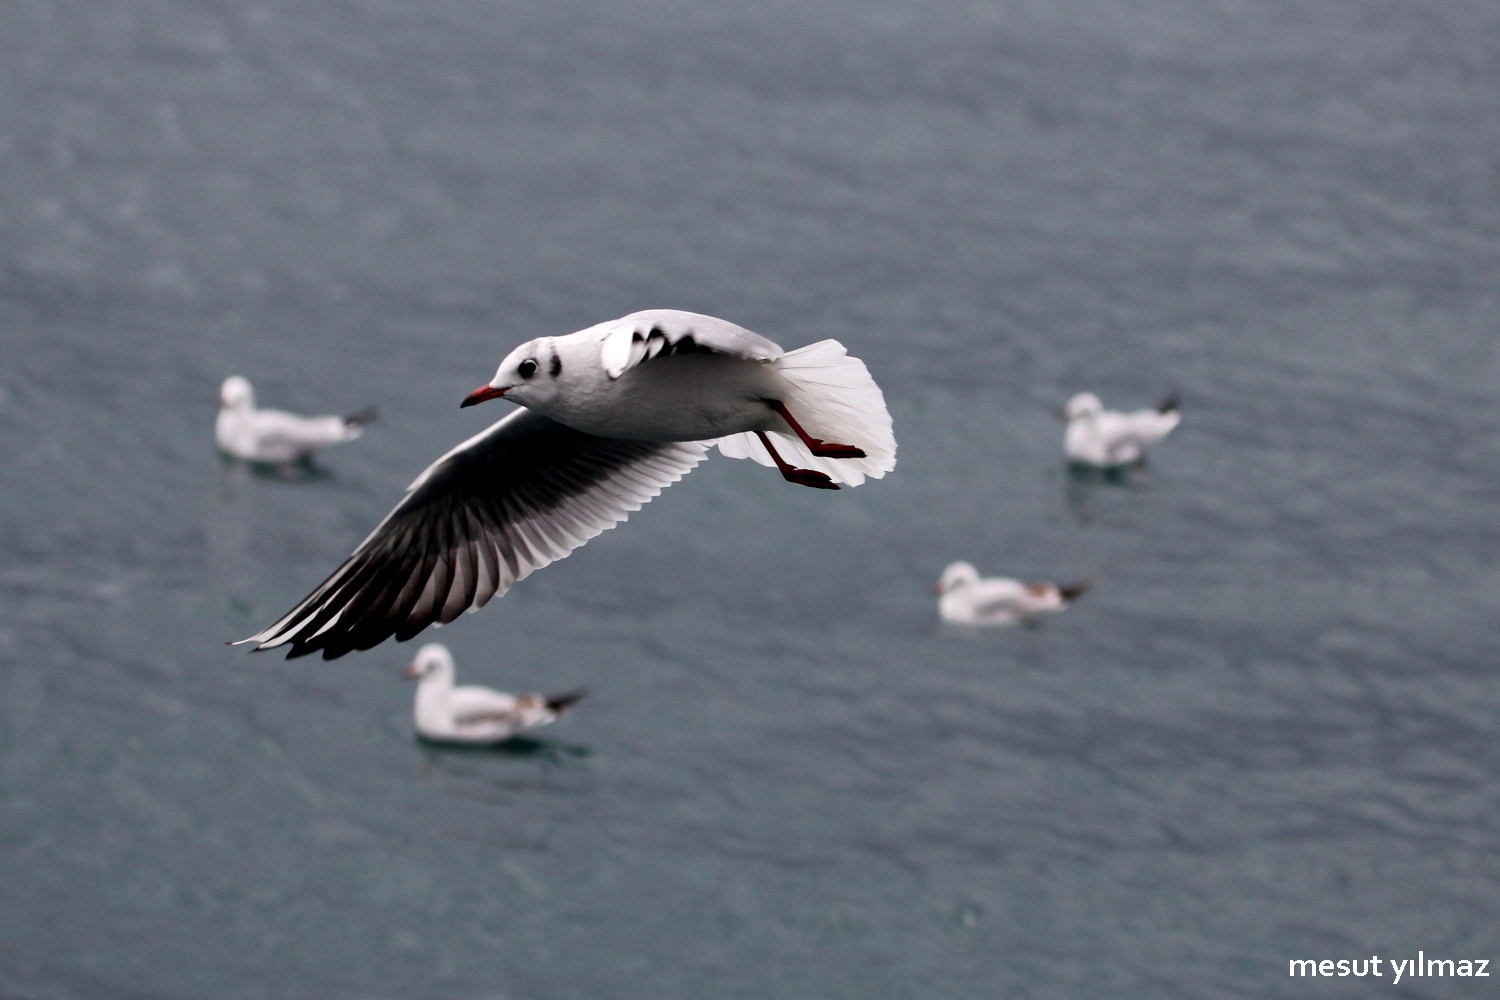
point(481, 394)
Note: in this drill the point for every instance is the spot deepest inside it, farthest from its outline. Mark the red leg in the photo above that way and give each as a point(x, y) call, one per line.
point(819, 447)
point(792, 474)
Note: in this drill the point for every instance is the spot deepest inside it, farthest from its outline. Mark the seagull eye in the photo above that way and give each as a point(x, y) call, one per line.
point(526, 368)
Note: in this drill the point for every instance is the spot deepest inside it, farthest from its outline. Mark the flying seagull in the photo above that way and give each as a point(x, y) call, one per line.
point(610, 416)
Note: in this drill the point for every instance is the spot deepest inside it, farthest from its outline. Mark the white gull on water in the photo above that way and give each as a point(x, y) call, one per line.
point(1111, 439)
point(275, 437)
point(611, 416)
point(449, 713)
point(965, 598)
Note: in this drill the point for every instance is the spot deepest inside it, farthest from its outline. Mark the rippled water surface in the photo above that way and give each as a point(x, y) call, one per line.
point(1270, 732)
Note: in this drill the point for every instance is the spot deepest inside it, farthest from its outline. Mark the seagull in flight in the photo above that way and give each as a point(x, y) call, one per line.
point(609, 417)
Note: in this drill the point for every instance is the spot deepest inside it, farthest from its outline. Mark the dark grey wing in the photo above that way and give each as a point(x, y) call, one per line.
point(508, 501)
point(629, 340)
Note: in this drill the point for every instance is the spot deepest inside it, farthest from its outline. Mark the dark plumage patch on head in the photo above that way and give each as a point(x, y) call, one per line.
point(554, 367)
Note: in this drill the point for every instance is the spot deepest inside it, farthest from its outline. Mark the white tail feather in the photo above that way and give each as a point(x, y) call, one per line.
point(834, 398)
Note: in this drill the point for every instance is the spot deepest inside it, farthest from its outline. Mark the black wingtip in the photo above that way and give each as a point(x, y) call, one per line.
point(362, 417)
point(1169, 405)
point(1071, 591)
point(298, 649)
point(560, 703)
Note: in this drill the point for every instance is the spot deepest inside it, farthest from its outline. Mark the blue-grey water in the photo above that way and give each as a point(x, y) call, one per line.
point(1272, 731)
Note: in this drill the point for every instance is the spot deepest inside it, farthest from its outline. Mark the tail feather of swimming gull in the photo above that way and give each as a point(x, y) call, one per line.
point(560, 703)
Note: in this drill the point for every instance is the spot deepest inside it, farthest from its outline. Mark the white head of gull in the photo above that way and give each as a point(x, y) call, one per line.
point(449, 713)
point(610, 416)
point(275, 437)
point(966, 598)
point(1109, 439)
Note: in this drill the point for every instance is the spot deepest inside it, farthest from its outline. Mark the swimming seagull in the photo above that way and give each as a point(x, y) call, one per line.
point(967, 599)
point(274, 437)
point(1109, 439)
point(447, 713)
point(611, 415)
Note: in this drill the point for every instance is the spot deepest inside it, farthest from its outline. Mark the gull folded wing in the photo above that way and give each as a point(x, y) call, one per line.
point(630, 340)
